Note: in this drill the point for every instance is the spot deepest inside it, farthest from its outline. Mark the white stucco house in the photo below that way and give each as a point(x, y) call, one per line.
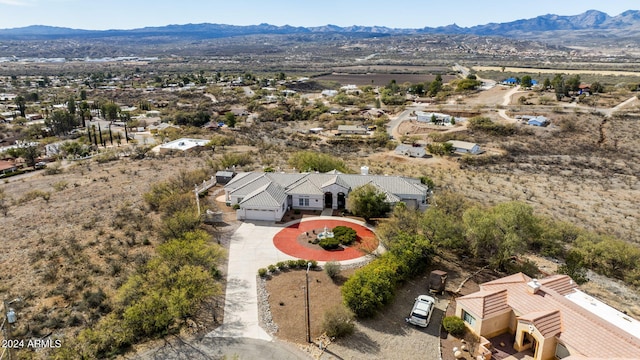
point(267, 196)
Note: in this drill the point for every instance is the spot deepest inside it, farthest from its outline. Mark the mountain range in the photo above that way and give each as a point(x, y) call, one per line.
point(627, 24)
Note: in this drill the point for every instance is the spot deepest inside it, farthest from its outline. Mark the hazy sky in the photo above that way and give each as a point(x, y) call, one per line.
point(128, 14)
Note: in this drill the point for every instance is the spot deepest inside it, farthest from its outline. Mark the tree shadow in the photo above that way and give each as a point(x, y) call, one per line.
point(360, 342)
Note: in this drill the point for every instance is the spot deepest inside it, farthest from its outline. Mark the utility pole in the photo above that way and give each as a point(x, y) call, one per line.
point(308, 312)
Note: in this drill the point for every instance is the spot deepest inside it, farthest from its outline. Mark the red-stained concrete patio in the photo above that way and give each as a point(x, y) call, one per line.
point(289, 241)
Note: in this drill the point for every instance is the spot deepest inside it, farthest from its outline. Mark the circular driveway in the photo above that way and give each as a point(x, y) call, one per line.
point(287, 240)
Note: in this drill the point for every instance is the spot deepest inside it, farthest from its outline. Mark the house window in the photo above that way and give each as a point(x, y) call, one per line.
point(303, 202)
point(561, 351)
point(468, 318)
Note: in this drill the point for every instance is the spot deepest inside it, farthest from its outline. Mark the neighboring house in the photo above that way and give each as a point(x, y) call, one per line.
point(423, 116)
point(224, 176)
point(510, 81)
point(411, 151)
point(465, 147)
point(538, 121)
point(584, 89)
point(352, 129)
point(7, 167)
point(266, 196)
point(183, 144)
point(549, 318)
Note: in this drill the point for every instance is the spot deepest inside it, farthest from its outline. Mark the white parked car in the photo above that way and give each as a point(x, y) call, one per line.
point(422, 311)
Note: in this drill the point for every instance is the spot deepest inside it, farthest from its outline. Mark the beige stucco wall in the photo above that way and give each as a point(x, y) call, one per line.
point(477, 326)
point(546, 346)
point(496, 325)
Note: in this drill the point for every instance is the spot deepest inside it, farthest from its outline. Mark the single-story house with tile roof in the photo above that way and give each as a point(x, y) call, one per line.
point(266, 196)
point(548, 318)
point(411, 151)
point(7, 167)
point(465, 147)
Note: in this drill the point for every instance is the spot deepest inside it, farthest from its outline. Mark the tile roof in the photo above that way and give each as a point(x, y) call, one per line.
point(486, 303)
point(547, 322)
point(581, 329)
point(268, 195)
point(305, 187)
point(394, 186)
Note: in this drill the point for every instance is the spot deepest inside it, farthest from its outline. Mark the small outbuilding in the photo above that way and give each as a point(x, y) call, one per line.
point(224, 176)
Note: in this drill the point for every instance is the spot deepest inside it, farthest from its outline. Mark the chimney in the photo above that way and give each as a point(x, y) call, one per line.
point(533, 286)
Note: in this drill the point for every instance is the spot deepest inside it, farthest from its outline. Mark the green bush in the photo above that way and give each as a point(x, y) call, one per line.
point(329, 243)
point(235, 206)
point(292, 264)
point(332, 268)
point(281, 265)
point(314, 264)
point(454, 325)
point(338, 322)
point(272, 268)
point(262, 272)
point(345, 235)
point(302, 263)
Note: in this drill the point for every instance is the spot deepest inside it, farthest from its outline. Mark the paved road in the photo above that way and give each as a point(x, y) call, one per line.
point(392, 127)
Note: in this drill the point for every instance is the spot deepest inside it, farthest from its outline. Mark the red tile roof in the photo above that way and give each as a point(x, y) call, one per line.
point(578, 328)
point(547, 322)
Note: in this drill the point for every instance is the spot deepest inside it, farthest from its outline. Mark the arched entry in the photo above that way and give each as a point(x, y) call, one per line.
point(342, 200)
point(328, 200)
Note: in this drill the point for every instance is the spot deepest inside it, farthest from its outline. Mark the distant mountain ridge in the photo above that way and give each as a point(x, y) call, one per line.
point(592, 20)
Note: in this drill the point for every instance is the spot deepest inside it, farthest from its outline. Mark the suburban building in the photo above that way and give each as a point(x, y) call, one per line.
point(352, 129)
point(183, 144)
point(548, 319)
point(7, 167)
point(465, 147)
point(423, 116)
point(266, 196)
point(411, 151)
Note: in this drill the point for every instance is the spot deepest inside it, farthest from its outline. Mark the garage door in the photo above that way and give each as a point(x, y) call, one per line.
point(268, 215)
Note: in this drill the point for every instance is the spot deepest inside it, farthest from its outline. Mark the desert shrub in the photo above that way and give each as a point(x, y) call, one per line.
point(485, 124)
point(329, 243)
point(105, 157)
point(60, 185)
point(272, 268)
point(235, 206)
point(302, 263)
point(314, 264)
point(454, 325)
point(53, 169)
point(292, 264)
point(338, 322)
point(262, 272)
point(34, 194)
point(281, 265)
point(345, 235)
point(332, 268)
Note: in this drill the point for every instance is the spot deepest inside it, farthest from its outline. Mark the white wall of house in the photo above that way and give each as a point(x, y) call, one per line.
point(307, 202)
point(261, 213)
point(474, 150)
point(335, 189)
